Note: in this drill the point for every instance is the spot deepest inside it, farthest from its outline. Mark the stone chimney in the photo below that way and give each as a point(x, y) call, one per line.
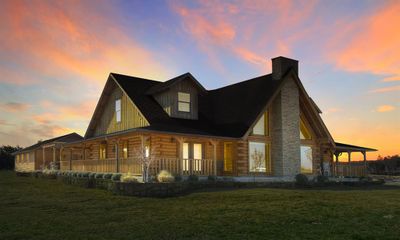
point(281, 65)
point(285, 117)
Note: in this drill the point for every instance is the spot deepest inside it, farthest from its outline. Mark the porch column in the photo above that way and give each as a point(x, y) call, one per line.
point(70, 160)
point(365, 162)
point(336, 164)
point(214, 143)
point(180, 141)
point(54, 154)
point(44, 160)
point(349, 162)
point(117, 155)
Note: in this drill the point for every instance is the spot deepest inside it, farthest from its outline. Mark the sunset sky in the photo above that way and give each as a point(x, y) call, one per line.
point(55, 57)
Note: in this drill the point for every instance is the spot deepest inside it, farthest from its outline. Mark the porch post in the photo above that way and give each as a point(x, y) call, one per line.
point(349, 160)
point(180, 140)
point(44, 155)
point(117, 155)
point(336, 164)
point(365, 162)
point(214, 143)
point(54, 154)
point(70, 160)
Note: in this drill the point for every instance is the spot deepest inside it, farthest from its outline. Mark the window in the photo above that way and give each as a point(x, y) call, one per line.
point(118, 110)
point(147, 148)
point(304, 132)
point(261, 127)
point(125, 150)
point(103, 151)
point(192, 156)
point(259, 160)
point(183, 102)
point(17, 158)
point(228, 165)
point(306, 159)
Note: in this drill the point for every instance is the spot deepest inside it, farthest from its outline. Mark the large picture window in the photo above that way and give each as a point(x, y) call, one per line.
point(183, 102)
point(306, 159)
point(258, 156)
point(118, 110)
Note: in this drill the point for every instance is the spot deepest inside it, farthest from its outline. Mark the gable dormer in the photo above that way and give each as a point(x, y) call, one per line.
point(179, 97)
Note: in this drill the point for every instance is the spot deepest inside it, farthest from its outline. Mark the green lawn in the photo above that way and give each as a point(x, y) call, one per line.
point(46, 209)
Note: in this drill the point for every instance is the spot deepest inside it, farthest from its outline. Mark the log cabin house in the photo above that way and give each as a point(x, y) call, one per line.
point(265, 128)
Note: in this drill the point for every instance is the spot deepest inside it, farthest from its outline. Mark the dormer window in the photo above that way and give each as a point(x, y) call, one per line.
point(183, 102)
point(118, 110)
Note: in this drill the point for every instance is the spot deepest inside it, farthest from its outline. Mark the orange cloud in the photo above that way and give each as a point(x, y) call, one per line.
point(386, 89)
point(385, 108)
point(57, 39)
point(375, 47)
point(391, 79)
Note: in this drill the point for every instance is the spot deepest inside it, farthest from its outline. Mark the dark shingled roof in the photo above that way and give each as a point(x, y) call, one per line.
point(227, 111)
point(167, 84)
point(340, 147)
point(71, 137)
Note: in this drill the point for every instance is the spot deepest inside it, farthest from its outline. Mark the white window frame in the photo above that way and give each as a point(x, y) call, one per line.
point(183, 102)
point(118, 110)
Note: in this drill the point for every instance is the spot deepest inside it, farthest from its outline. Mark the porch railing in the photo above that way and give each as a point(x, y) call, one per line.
point(356, 169)
point(202, 167)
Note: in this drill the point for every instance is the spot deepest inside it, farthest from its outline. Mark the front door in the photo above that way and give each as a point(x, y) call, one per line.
point(192, 157)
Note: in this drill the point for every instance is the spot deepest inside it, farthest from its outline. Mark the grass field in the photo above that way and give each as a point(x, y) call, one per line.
point(46, 209)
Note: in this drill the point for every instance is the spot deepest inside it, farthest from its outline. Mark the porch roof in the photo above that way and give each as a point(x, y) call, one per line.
point(342, 147)
point(60, 139)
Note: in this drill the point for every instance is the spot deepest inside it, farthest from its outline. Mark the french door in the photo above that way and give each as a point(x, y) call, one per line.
point(192, 157)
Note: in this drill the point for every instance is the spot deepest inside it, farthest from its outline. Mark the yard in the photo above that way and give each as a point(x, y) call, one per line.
point(46, 209)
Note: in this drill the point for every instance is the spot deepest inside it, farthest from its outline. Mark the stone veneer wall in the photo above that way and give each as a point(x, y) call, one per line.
point(285, 145)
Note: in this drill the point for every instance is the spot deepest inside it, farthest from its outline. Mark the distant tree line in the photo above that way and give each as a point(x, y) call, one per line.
point(6, 157)
point(389, 165)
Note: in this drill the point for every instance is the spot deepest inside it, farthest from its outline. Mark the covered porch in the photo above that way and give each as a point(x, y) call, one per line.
point(131, 153)
point(350, 168)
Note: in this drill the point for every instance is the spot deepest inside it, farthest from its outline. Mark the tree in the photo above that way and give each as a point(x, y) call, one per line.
point(6, 157)
point(145, 156)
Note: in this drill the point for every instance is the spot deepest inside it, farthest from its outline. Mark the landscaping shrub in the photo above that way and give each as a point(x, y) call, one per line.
point(193, 178)
point(302, 180)
point(178, 178)
point(107, 175)
point(92, 175)
point(84, 174)
point(128, 178)
point(165, 176)
point(36, 173)
point(98, 175)
point(321, 179)
point(116, 177)
point(212, 178)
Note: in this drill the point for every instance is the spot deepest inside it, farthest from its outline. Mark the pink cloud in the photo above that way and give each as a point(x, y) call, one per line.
point(373, 44)
point(241, 28)
point(56, 39)
point(14, 106)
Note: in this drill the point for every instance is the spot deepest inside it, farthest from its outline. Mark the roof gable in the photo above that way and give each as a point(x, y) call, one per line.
point(163, 86)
